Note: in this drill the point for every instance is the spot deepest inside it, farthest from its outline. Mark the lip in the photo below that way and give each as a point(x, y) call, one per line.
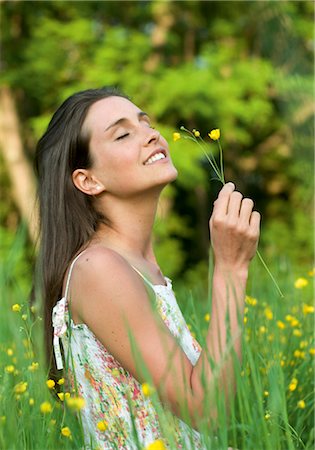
point(159, 150)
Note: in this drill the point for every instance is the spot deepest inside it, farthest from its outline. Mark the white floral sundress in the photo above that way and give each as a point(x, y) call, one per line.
point(111, 393)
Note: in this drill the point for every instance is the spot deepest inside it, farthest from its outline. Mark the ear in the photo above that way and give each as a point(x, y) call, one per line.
point(86, 182)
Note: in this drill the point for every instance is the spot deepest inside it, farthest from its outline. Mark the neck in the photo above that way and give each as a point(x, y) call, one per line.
point(130, 226)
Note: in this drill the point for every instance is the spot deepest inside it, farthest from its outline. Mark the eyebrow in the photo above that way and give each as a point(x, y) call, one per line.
point(125, 119)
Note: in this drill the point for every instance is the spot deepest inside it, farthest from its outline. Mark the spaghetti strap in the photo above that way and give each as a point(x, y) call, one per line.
point(70, 272)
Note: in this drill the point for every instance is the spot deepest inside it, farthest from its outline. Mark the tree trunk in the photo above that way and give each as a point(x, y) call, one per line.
point(20, 172)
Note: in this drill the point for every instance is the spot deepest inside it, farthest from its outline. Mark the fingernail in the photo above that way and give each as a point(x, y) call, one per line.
point(230, 184)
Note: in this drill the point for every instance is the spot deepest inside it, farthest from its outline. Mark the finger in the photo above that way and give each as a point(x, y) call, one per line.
point(246, 210)
point(222, 202)
point(255, 222)
point(234, 205)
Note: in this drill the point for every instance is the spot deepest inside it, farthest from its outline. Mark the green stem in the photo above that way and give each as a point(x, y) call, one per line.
point(269, 273)
point(221, 162)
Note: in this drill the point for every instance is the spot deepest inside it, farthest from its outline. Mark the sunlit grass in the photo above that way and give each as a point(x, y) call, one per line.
point(274, 403)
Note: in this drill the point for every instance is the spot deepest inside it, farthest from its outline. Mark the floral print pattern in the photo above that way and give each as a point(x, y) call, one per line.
point(111, 393)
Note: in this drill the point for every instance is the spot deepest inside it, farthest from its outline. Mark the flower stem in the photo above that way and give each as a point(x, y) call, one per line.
point(270, 274)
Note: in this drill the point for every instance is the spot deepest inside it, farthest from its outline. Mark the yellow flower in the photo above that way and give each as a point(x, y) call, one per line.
point(293, 384)
point(75, 403)
point(301, 404)
point(24, 316)
point(300, 283)
point(176, 136)
point(50, 384)
point(262, 329)
point(250, 300)
point(308, 309)
point(214, 134)
point(31, 401)
point(311, 273)
point(65, 431)
point(196, 133)
point(61, 381)
point(63, 395)
point(9, 352)
point(33, 309)
point(312, 351)
point(156, 445)
point(245, 319)
point(207, 317)
point(299, 354)
point(102, 425)
point(267, 416)
point(16, 307)
point(45, 408)
point(268, 313)
point(297, 332)
point(20, 388)
point(9, 369)
point(294, 322)
point(266, 393)
point(147, 389)
point(33, 366)
point(280, 324)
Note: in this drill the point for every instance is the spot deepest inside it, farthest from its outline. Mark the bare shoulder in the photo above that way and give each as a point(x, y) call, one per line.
point(103, 276)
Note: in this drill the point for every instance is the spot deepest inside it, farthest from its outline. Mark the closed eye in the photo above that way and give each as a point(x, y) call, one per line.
point(122, 136)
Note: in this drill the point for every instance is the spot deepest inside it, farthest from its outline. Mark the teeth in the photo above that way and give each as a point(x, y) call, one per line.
point(154, 158)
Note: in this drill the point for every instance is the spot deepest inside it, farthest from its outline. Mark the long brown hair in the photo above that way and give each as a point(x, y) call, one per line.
point(68, 217)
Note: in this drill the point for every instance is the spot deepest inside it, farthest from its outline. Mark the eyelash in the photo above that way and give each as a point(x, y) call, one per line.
point(122, 136)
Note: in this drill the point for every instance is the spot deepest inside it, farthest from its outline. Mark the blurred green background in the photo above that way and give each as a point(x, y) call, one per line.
point(244, 67)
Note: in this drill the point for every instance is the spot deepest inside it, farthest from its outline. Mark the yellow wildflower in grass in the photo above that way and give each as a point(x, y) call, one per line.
point(245, 319)
point(299, 354)
point(176, 136)
point(250, 300)
point(267, 416)
point(303, 344)
point(214, 134)
point(102, 425)
point(31, 401)
point(297, 332)
point(266, 393)
point(24, 316)
point(66, 432)
point(34, 366)
point(10, 368)
point(75, 403)
point(280, 324)
point(312, 351)
point(9, 352)
point(294, 323)
point(61, 381)
point(301, 404)
point(293, 384)
point(147, 389)
point(33, 309)
point(50, 384)
point(207, 317)
point(16, 307)
point(268, 313)
point(300, 283)
point(308, 309)
point(156, 445)
point(196, 133)
point(63, 395)
point(21, 387)
point(45, 408)
point(262, 329)
point(311, 273)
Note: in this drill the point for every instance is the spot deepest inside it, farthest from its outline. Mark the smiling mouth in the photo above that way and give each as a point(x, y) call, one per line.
point(156, 157)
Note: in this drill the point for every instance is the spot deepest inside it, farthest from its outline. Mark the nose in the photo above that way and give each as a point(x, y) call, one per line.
point(153, 135)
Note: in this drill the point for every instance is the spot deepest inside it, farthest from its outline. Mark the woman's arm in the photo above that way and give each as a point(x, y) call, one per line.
point(109, 296)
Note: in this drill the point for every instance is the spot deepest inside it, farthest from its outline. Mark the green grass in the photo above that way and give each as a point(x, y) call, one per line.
point(274, 403)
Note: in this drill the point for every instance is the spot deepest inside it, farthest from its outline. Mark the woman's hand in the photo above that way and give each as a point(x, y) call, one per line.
point(234, 229)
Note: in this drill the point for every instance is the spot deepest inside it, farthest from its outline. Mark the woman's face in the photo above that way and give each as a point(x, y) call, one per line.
point(128, 155)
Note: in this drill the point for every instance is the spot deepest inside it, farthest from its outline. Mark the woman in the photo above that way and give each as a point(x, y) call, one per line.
point(101, 169)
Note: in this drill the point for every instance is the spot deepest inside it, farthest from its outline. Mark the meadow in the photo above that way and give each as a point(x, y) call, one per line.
point(274, 404)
